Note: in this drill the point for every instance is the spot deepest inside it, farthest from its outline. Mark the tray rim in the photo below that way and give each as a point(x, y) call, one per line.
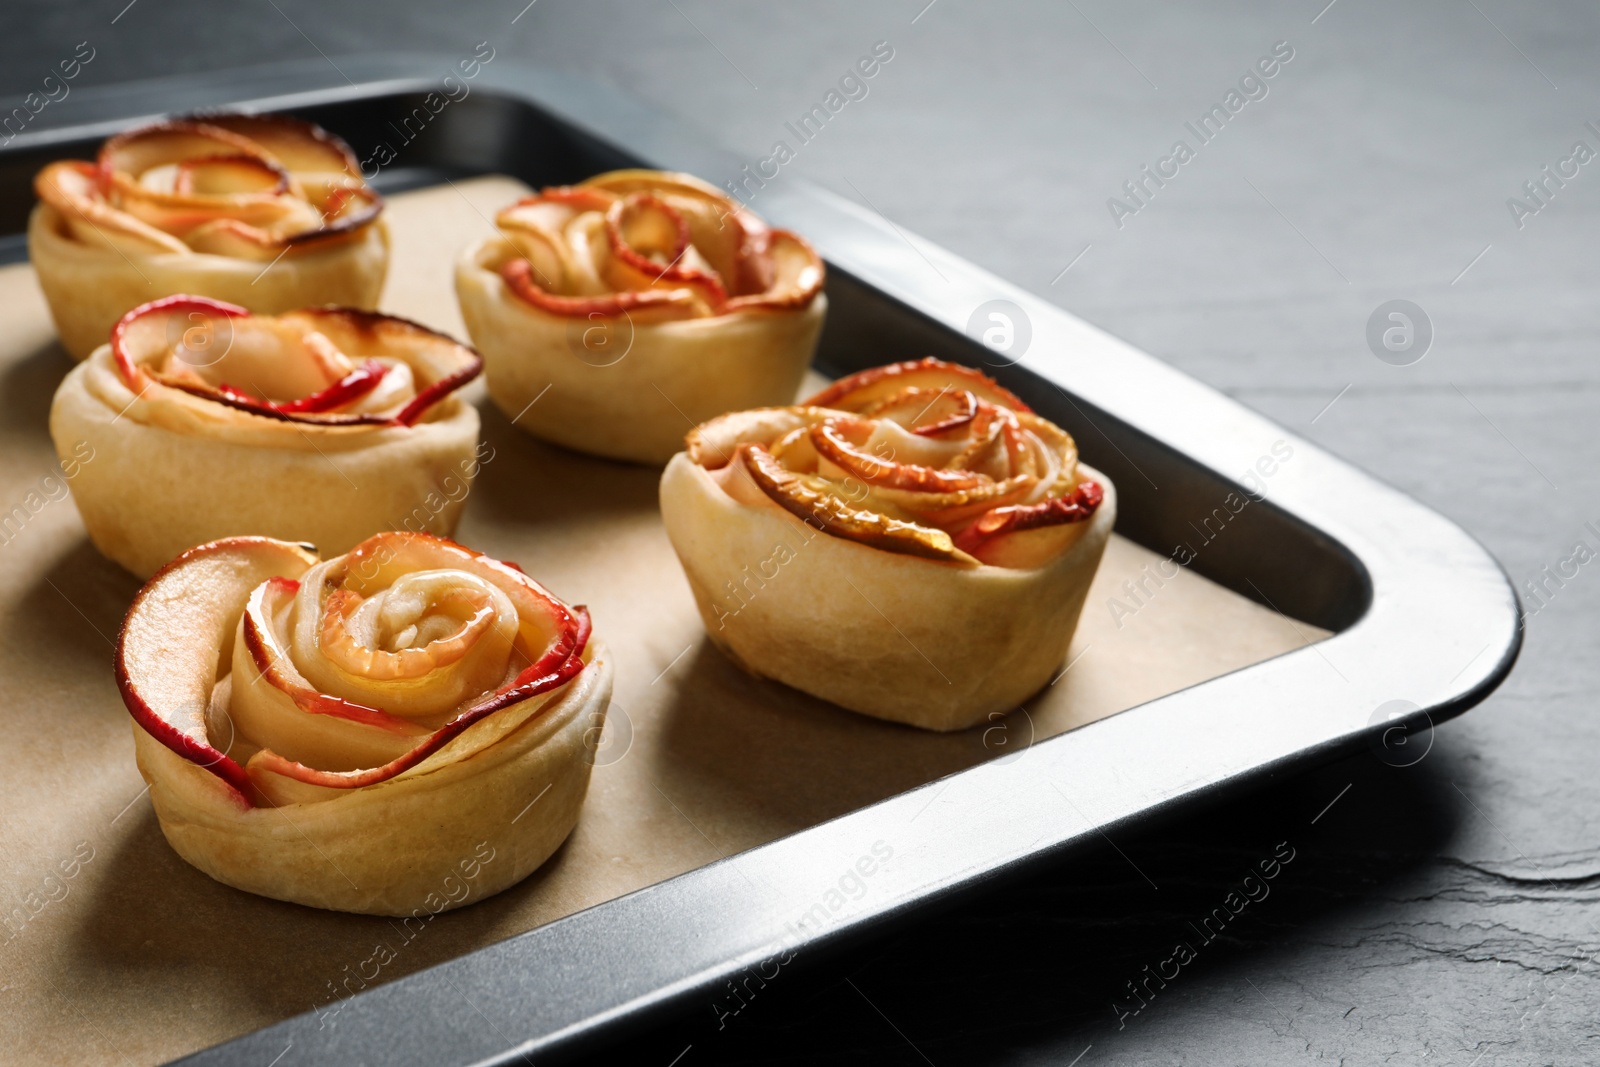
point(1433, 591)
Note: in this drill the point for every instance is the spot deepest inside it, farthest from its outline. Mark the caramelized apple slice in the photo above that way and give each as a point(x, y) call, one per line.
point(832, 441)
point(642, 305)
point(180, 629)
point(536, 228)
point(440, 363)
point(925, 411)
point(731, 240)
point(864, 388)
point(222, 175)
point(812, 500)
point(714, 444)
point(235, 239)
point(997, 523)
point(650, 249)
point(195, 344)
point(551, 671)
point(142, 170)
point(73, 190)
point(788, 276)
point(383, 559)
point(300, 146)
point(274, 706)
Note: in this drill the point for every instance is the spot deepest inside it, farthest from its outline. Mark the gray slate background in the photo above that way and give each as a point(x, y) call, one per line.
point(1442, 913)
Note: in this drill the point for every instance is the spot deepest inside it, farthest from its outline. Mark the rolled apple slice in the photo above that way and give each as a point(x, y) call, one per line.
point(912, 543)
point(453, 693)
point(264, 211)
point(642, 301)
point(201, 420)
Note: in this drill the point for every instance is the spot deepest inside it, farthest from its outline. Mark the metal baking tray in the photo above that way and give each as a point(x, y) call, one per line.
point(1419, 611)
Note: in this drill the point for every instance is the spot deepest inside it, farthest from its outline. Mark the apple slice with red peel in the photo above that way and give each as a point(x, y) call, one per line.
point(286, 145)
point(274, 706)
point(642, 305)
point(922, 402)
point(1077, 506)
point(230, 194)
point(126, 158)
point(214, 175)
point(565, 655)
point(573, 199)
point(675, 248)
point(133, 152)
point(863, 388)
point(779, 271)
point(735, 242)
point(233, 398)
point(301, 146)
point(378, 561)
point(537, 227)
point(147, 332)
point(551, 671)
point(179, 632)
point(144, 338)
point(832, 442)
point(813, 501)
point(347, 390)
point(439, 363)
point(640, 227)
point(73, 189)
point(545, 624)
point(715, 443)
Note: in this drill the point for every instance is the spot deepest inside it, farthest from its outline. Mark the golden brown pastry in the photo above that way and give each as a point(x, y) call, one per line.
point(401, 729)
point(264, 211)
point(912, 543)
point(642, 301)
point(325, 425)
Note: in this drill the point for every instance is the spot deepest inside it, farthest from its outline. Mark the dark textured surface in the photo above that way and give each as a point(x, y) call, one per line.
point(1440, 913)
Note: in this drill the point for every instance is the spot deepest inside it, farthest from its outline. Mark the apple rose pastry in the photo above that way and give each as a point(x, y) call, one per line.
point(634, 299)
point(264, 211)
point(912, 543)
point(366, 732)
point(324, 425)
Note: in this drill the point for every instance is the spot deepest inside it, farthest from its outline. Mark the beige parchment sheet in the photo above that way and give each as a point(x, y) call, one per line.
point(135, 958)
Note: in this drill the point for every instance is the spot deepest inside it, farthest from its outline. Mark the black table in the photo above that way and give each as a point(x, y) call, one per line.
point(1438, 912)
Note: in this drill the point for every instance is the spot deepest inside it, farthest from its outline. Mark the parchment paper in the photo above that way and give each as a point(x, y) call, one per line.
point(116, 951)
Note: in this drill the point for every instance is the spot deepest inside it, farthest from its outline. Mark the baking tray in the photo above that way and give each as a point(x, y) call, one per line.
point(1417, 610)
